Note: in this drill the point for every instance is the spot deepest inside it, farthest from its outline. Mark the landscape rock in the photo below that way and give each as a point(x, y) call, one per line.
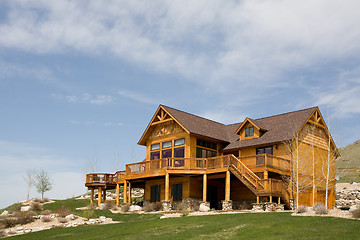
point(135, 208)
point(204, 208)
point(25, 208)
point(162, 217)
point(4, 213)
point(70, 217)
point(102, 218)
point(103, 206)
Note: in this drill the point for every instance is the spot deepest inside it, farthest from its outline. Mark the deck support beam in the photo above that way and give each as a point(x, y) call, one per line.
point(92, 196)
point(227, 186)
point(129, 198)
point(204, 187)
point(257, 200)
point(104, 195)
point(167, 186)
point(279, 200)
point(99, 196)
point(125, 191)
point(117, 194)
point(270, 198)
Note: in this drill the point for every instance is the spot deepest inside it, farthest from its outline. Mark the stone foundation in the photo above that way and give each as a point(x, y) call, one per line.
point(242, 205)
point(166, 206)
point(258, 207)
point(226, 205)
point(268, 207)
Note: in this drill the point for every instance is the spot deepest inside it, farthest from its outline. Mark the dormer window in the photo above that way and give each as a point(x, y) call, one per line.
point(249, 131)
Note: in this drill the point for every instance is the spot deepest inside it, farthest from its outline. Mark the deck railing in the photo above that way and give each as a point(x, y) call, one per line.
point(101, 178)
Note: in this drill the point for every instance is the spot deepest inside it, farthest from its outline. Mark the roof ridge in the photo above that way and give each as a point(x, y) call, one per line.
point(193, 115)
point(287, 113)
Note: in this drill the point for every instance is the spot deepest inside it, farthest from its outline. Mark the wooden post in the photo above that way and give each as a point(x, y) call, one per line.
point(270, 198)
point(129, 199)
point(257, 200)
point(204, 187)
point(167, 185)
point(117, 194)
point(92, 196)
point(227, 186)
point(125, 191)
point(99, 196)
point(104, 195)
point(279, 200)
point(266, 183)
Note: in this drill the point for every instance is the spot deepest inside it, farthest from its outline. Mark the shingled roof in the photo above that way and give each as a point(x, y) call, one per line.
point(278, 128)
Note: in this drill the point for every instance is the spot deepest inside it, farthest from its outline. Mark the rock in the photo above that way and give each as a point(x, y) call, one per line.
point(70, 217)
point(4, 213)
point(135, 208)
point(103, 206)
point(102, 218)
point(25, 208)
point(204, 208)
point(12, 231)
point(20, 228)
point(27, 230)
point(162, 217)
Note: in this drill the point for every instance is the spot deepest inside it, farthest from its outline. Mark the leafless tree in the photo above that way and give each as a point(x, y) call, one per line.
point(30, 179)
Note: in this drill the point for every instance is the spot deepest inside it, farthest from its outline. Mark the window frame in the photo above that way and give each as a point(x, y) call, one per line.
point(249, 131)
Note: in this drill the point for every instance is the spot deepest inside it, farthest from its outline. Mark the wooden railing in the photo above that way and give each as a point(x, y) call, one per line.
point(100, 178)
point(266, 160)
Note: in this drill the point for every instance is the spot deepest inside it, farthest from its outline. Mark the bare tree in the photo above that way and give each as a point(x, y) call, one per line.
point(44, 182)
point(29, 178)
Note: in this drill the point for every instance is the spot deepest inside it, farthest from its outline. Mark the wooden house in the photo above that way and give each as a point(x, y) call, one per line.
point(279, 160)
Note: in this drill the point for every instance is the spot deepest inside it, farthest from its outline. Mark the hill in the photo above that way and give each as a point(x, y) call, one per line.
point(348, 165)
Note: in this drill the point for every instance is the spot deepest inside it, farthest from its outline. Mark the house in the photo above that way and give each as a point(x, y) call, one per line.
point(279, 160)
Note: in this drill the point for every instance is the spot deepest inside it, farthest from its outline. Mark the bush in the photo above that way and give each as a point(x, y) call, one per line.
point(46, 200)
point(46, 212)
point(89, 213)
point(2, 234)
point(356, 213)
point(196, 206)
point(62, 220)
point(35, 206)
point(9, 222)
point(181, 206)
point(46, 219)
point(2, 226)
point(124, 207)
point(151, 207)
point(37, 200)
point(110, 203)
point(15, 208)
point(301, 209)
point(24, 217)
point(63, 211)
point(320, 209)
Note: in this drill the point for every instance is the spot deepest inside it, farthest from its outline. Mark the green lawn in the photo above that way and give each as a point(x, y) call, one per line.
point(227, 226)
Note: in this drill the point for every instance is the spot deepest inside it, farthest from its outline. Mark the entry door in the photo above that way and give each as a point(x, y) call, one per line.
point(212, 196)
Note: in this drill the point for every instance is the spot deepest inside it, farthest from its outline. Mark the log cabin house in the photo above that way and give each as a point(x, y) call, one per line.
point(273, 160)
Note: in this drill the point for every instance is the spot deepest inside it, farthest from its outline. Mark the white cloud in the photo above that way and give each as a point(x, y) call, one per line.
point(139, 97)
point(86, 98)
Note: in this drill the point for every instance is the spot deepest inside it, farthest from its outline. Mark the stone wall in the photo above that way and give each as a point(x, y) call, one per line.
point(347, 196)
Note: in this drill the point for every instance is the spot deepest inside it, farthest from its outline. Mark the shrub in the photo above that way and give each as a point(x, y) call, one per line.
point(46, 200)
point(89, 213)
point(110, 203)
point(38, 200)
point(63, 211)
point(320, 209)
point(24, 217)
point(15, 208)
point(301, 209)
point(157, 206)
point(9, 222)
point(2, 226)
point(35, 206)
point(46, 212)
point(356, 213)
point(181, 206)
point(46, 219)
point(124, 207)
point(151, 207)
point(62, 220)
point(2, 234)
point(196, 206)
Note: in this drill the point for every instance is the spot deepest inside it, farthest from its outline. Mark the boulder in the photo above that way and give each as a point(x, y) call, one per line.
point(70, 217)
point(25, 208)
point(135, 208)
point(204, 208)
point(103, 206)
point(102, 218)
point(162, 217)
point(4, 213)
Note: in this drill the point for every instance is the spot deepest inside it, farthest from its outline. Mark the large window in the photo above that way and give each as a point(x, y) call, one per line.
point(173, 148)
point(260, 160)
point(155, 193)
point(204, 153)
point(176, 192)
point(249, 131)
point(206, 144)
point(205, 149)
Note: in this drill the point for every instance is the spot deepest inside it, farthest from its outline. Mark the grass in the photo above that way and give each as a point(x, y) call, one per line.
point(226, 226)
point(350, 159)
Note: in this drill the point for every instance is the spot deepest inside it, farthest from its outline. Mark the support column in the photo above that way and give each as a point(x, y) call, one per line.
point(279, 200)
point(204, 187)
point(92, 196)
point(257, 200)
point(129, 193)
point(270, 198)
point(99, 196)
point(167, 185)
point(117, 194)
point(104, 195)
point(125, 191)
point(227, 186)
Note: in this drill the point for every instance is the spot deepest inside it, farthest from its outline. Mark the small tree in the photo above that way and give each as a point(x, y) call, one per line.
point(44, 182)
point(29, 178)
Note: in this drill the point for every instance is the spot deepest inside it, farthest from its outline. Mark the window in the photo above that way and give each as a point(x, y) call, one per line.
point(249, 131)
point(167, 153)
point(179, 152)
point(155, 146)
point(167, 144)
point(179, 142)
point(204, 153)
point(155, 155)
point(176, 192)
point(206, 144)
point(265, 150)
point(155, 193)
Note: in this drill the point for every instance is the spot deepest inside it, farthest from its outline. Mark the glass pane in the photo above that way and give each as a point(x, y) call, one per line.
point(179, 152)
point(167, 153)
point(179, 142)
point(155, 146)
point(155, 155)
point(167, 144)
point(269, 150)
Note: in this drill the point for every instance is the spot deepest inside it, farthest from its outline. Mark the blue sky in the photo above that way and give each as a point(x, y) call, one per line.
point(82, 79)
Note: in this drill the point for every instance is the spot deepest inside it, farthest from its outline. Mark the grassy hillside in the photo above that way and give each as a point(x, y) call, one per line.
point(348, 165)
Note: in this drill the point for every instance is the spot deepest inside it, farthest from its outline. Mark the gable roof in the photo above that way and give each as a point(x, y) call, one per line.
point(278, 128)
